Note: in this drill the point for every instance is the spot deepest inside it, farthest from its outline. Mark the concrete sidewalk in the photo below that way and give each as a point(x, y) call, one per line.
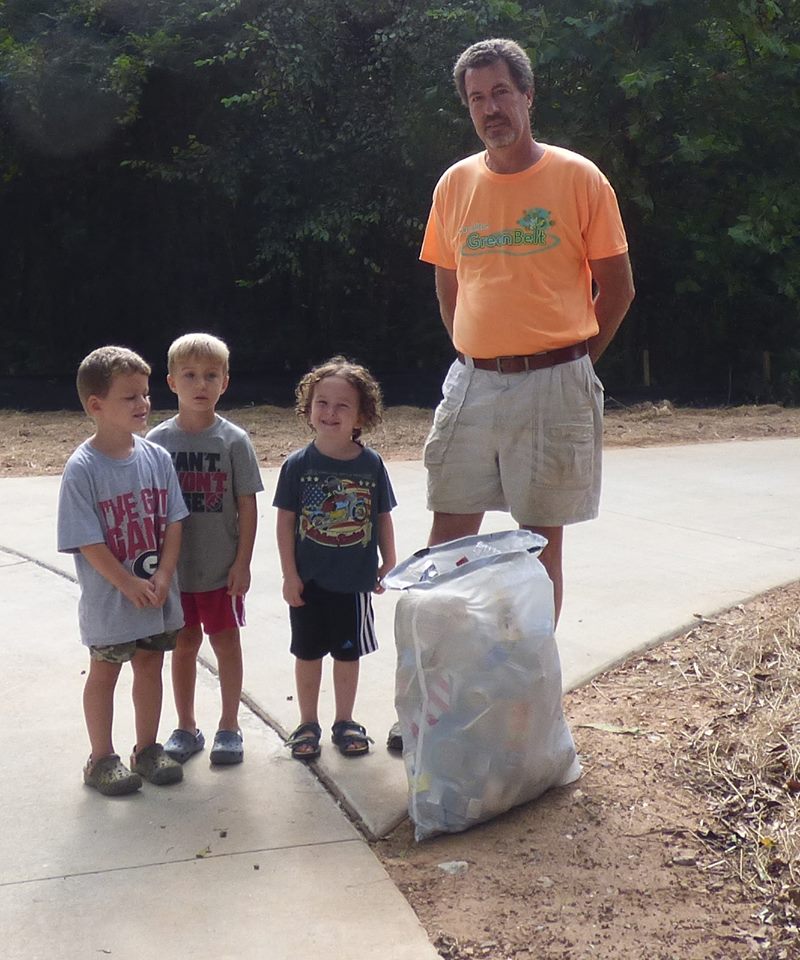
point(261, 856)
point(242, 863)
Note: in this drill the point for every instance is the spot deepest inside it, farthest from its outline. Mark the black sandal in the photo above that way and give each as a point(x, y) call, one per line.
point(351, 738)
point(306, 735)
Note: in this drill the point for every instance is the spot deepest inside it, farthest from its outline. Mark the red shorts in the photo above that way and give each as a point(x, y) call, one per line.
point(214, 610)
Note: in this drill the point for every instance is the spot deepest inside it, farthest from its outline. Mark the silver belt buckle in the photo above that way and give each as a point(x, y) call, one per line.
point(500, 361)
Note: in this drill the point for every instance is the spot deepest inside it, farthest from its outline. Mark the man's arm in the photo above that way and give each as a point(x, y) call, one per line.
point(614, 280)
point(447, 293)
point(239, 573)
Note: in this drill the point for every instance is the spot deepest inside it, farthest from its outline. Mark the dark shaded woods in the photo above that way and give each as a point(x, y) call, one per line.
point(265, 172)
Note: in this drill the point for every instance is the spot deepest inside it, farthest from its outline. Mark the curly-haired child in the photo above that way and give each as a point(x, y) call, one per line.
point(336, 541)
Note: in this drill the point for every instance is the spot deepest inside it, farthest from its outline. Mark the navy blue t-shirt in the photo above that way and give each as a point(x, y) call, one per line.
point(337, 503)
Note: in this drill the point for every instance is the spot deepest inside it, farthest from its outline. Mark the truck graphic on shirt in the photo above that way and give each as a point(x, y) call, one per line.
point(339, 515)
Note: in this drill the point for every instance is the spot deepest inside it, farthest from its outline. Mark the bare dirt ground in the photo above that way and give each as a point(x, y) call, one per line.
point(680, 842)
point(682, 839)
point(36, 444)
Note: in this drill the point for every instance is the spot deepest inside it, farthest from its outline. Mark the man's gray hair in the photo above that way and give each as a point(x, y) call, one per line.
point(487, 52)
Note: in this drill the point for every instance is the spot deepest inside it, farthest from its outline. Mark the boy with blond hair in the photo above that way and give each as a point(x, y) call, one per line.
point(218, 473)
point(119, 512)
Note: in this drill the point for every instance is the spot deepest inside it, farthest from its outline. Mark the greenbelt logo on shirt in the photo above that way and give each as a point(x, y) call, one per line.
point(531, 235)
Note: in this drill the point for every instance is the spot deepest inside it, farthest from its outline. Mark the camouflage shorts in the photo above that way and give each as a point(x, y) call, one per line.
point(123, 652)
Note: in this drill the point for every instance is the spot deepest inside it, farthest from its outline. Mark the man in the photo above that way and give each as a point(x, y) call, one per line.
point(533, 279)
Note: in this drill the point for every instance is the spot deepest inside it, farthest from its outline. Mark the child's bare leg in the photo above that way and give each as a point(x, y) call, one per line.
point(184, 675)
point(147, 695)
point(308, 676)
point(98, 706)
point(345, 684)
point(228, 649)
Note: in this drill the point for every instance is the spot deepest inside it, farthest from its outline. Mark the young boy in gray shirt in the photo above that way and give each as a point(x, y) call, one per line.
point(119, 513)
point(219, 476)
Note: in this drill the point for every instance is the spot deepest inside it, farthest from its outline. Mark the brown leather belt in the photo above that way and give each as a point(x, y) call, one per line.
point(530, 361)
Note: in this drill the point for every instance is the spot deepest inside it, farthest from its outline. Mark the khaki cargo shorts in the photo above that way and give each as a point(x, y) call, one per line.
point(529, 443)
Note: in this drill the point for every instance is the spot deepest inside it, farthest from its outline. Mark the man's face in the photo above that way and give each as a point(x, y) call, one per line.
point(500, 112)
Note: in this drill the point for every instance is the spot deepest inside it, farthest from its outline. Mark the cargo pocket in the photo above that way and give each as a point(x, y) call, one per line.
point(454, 391)
point(570, 429)
point(566, 457)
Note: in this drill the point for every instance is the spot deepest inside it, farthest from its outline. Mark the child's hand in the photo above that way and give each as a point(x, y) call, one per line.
point(238, 579)
point(293, 591)
point(141, 593)
point(160, 584)
point(383, 569)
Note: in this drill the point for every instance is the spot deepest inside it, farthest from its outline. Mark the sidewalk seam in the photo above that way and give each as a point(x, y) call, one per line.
point(327, 782)
point(169, 863)
point(38, 563)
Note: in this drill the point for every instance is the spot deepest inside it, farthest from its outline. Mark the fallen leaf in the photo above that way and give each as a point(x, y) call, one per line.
point(611, 728)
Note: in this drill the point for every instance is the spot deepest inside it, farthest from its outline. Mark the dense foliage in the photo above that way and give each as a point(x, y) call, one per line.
point(264, 170)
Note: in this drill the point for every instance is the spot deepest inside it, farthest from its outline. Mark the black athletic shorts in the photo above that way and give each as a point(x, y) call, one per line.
point(341, 624)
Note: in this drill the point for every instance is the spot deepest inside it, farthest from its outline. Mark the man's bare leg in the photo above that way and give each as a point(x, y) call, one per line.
point(551, 561)
point(452, 526)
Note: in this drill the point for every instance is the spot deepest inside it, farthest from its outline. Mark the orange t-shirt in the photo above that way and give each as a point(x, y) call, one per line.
point(520, 244)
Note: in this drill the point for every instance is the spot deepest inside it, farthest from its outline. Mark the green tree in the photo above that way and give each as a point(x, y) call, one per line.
point(669, 98)
point(266, 171)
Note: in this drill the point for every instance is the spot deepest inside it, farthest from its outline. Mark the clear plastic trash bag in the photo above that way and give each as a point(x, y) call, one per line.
point(478, 685)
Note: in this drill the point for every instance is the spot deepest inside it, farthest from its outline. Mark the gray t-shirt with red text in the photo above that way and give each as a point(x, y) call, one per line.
point(127, 505)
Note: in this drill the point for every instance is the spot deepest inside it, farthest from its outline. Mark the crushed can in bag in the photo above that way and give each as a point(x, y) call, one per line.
point(478, 684)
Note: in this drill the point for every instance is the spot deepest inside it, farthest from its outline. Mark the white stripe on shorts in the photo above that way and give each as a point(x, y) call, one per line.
point(237, 607)
point(365, 621)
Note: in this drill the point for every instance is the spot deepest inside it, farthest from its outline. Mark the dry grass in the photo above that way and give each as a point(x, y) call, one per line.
point(743, 763)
